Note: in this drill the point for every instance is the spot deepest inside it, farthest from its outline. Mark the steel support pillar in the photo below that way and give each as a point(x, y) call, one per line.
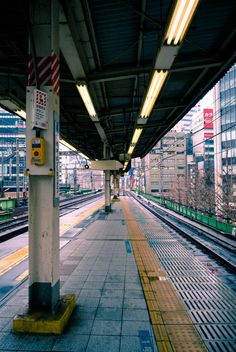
point(107, 191)
point(46, 312)
point(116, 186)
point(44, 284)
point(106, 153)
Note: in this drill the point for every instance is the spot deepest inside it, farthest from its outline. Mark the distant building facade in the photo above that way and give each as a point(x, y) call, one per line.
point(74, 175)
point(203, 141)
point(185, 124)
point(165, 167)
point(12, 155)
point(225, 140)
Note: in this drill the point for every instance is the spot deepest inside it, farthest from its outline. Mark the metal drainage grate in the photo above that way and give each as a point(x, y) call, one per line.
point(221, 346)
point(211, 304)
point(212, 316)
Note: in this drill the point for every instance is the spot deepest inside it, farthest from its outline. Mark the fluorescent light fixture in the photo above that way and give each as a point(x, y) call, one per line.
point(180, 20)
point(137, 134)
point(166, 57)
point(21, 113)
point(11, 104)
point(83, 156)
point(84, 93)
point(68, 145)
point(131, 149)
point(154, 89)
point(125, 165)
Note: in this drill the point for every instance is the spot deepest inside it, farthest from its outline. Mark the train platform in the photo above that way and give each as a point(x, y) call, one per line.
point(137, 288)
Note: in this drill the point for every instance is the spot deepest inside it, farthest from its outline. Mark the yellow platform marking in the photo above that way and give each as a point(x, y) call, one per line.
point(21, 254)
point(66, 226)
point(13, 259)
point(173, 329)
point(22, 276)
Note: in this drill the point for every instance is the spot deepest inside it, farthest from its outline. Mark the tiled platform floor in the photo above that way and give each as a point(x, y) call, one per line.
point(111, 313)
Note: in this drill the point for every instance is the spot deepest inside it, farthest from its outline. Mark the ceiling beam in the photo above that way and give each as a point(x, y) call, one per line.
point(69, 46)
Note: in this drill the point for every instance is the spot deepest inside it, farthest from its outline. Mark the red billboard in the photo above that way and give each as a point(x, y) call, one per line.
point(208, 135)
point(208, 118)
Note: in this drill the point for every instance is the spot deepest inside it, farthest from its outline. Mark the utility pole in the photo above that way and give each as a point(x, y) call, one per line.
point(75, 179)
point(161, 185)
point(17, 171)
point(2, 181)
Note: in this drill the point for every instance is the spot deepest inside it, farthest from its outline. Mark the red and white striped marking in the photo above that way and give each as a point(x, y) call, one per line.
point(55, 73)
point(48, 70)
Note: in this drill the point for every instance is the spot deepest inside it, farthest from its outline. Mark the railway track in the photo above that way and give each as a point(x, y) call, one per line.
point(15, 227)
point(221, 246)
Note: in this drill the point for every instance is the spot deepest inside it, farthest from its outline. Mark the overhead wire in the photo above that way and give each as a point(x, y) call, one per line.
point(203, 141)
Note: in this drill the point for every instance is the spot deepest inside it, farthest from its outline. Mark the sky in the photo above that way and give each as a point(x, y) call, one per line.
point(208, 100)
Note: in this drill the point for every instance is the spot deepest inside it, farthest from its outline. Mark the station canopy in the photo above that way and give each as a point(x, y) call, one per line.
point(114, 51)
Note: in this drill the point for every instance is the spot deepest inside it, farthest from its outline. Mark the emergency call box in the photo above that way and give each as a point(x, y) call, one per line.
point(37, 151)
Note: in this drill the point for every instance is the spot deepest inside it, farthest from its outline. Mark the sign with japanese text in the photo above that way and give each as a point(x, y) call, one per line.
point(208, 118)
point(39, 113)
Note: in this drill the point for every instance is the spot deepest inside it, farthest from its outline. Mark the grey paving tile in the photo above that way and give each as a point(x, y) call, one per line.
point(103, 344)
point(15, 301)
point(88, 301)
point(113, 272)
point(118, 266)
point(76, 278)
point(93, 285)
point(80, 326)
point(106, 327)
point(135, 314)
point(83, 313)
point(34, 342)
point(132, 278)
point(74, 290)
point(134, 294)
point(90, 293)
point(99, 272)
point(4, 322)
point(130, 343)
point(133, 286)
point(75, 344)
point(132, 328)
point(114, 285)
point(113, 293)
point(80, 273)
point(8, 327)
point(111, 302)
point(10, 341)
point(115, 278)
point(9, 311)
point(135, 303)
point(108, 313)
point(78, 285)
point(94, 277)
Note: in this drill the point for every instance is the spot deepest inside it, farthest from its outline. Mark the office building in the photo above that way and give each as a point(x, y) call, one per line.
point(12, 153)
point(165, 167)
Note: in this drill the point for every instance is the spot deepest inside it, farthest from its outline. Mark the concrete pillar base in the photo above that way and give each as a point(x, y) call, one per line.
point(42, 322)
point(42, 296)
point(107, 208)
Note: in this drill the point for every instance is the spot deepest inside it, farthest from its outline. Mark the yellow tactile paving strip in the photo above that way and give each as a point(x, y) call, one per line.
point(21, 254)
point(173, 329)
